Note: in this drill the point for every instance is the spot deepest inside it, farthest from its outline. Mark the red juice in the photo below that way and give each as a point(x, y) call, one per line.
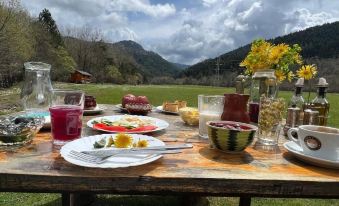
point(66, 123)
point(253, 111)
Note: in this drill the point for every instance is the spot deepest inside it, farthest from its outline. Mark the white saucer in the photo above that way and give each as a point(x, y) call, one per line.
point(296, 150)
point(96, 110)
point(161, 109)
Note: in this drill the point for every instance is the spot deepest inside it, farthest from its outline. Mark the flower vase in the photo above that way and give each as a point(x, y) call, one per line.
point(264, 84)
point(270, 119)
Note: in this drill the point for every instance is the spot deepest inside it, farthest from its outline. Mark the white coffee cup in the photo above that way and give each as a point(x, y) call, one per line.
point(317, 141)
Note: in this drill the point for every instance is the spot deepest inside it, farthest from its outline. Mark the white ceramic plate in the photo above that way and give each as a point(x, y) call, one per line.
point(121, 160)
point(160, 124)
point(96, 110)
point(296, 150)
point(160, 109)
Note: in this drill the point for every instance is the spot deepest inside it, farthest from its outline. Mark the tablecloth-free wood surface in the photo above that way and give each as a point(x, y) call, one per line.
point(199, 171)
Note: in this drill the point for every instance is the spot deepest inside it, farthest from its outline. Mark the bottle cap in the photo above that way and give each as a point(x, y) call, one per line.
point(300, 82)
point(322, 82)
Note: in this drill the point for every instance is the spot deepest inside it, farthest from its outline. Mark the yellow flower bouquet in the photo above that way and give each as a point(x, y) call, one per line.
point(265, 55)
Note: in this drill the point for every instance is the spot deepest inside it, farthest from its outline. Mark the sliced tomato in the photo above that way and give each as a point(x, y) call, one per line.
point(109, 128)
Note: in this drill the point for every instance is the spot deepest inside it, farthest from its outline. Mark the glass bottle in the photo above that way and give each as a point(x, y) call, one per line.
point(240, 84)
point(37, 87)
point(297, 99)
point(320, 103)
point(264, 84)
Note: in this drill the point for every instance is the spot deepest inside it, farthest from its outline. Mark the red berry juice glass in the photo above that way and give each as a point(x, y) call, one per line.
point(66, 115)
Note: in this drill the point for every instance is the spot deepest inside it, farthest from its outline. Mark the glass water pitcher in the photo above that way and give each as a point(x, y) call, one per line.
point(37, 87)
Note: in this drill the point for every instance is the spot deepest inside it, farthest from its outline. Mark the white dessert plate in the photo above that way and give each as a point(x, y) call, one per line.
point(160, 124)
point(96, 110)
point(161, 109)
point(297, 151)
point(116, 161)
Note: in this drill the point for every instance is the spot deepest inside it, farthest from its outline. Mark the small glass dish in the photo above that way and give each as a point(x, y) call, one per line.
point(18, 130)
point(189, 115)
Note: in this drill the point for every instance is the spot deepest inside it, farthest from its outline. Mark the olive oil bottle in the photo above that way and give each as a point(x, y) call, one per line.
point(320, 103)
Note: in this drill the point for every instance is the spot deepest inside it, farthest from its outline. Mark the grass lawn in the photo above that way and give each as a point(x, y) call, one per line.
point(112, 94)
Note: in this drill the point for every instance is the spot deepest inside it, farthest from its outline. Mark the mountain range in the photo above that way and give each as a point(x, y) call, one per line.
point(149, 62)
point(320, 45)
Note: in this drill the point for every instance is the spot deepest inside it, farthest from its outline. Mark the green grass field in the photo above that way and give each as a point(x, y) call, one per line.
point(112, 94)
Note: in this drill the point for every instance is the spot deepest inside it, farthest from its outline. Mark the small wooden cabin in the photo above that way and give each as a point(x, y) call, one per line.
point(80, 77)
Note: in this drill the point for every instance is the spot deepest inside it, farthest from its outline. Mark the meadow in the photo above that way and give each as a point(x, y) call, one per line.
point(112, 94)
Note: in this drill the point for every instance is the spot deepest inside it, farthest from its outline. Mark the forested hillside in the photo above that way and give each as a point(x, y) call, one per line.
point(319, 44)
point(24, 38)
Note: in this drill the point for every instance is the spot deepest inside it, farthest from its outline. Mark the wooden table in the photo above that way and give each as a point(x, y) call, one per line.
point(196, 172)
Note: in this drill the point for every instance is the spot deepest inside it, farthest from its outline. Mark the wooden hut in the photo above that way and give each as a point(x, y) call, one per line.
point(82, 77)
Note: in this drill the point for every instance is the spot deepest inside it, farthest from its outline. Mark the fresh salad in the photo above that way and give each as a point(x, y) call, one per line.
point(125, 124)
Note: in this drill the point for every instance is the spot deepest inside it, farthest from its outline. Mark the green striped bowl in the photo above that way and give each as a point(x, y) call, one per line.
point(230, 140)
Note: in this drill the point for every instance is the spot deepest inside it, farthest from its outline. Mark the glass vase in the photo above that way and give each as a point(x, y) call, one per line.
point(270, 119)
point(263, 84)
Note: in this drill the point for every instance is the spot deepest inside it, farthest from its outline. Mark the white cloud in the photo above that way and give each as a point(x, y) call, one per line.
point(110, 16)
point(304, 19)
point(144, 6)
point(189, 31)
point(208, 3)
point(226, 25)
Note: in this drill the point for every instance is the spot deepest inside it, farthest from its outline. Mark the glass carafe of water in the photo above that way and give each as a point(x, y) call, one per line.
point(37, 87)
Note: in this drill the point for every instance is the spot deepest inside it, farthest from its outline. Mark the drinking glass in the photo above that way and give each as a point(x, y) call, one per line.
point(210, 109)
point(270, 118)
point(66, 115)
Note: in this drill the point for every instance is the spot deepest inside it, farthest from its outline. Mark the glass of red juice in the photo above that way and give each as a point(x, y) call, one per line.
point(66, 115)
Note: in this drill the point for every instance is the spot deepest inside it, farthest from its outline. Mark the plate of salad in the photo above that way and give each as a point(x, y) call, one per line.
point(127, 124)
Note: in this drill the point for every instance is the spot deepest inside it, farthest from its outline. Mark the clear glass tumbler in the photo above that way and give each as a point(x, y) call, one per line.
point(210, 109)
point(66, 115)
point(270, 118)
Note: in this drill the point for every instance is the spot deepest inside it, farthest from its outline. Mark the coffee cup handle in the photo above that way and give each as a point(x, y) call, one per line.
point(290, 134)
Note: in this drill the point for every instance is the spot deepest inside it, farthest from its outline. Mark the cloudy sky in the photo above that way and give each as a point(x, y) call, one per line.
point(188, 31)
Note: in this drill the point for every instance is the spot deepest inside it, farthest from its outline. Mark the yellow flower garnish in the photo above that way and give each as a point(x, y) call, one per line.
point(123, 140)
point(142, 143)
point(307, 72)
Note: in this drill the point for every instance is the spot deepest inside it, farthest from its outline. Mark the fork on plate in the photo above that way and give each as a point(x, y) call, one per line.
point(99, 160)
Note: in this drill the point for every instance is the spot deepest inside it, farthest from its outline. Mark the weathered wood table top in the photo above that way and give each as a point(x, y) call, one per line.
point(202, 171)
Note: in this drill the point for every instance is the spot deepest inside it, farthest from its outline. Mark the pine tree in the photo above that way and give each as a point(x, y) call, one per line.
point(47, 21)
